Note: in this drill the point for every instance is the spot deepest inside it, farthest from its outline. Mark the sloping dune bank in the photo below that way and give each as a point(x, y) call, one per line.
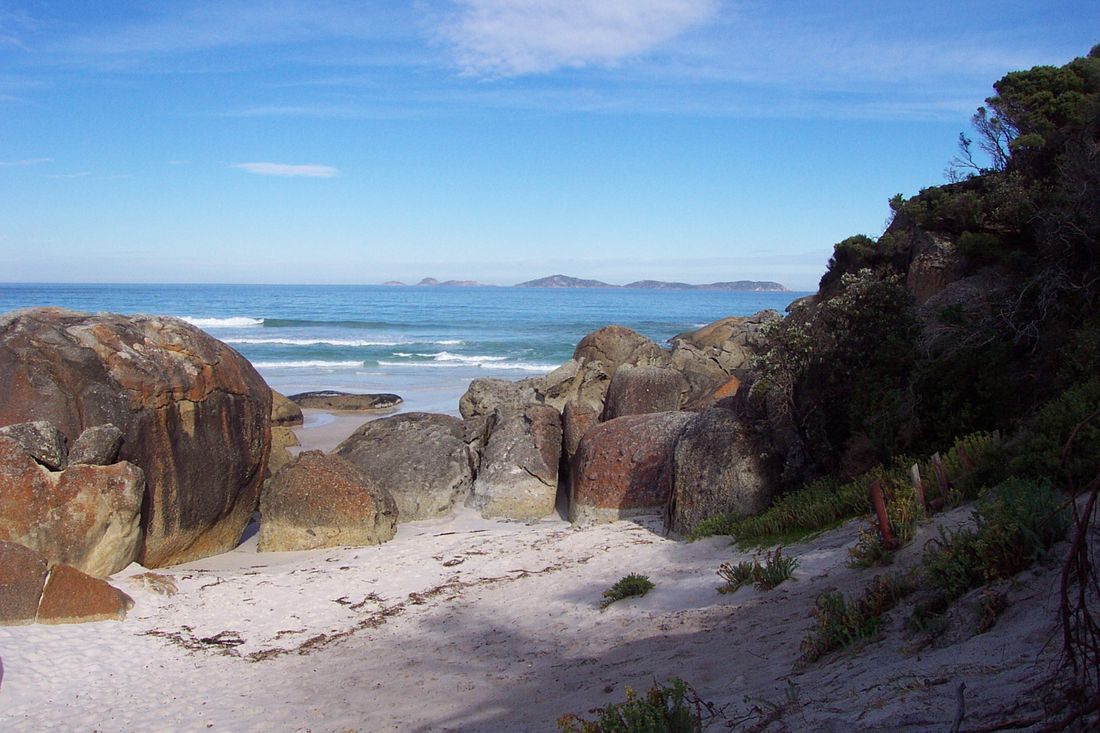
point(467, 624)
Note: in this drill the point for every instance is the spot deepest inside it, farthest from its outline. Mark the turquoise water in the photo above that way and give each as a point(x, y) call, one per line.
point(422, 343)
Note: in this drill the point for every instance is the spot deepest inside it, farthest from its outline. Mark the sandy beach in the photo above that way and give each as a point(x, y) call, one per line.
point(465, 624)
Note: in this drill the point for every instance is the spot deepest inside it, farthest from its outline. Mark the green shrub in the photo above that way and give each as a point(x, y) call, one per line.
point(719, 524)
point(625, 587)
point(870, 550)
point(1042, 451)
point(660, 710)
point(1017, 521)
point(839, 622)
point(775, 570)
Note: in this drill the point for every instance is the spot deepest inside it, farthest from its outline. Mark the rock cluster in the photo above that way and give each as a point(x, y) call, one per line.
point(32, 590)
point(142, 439)
point(193, 416)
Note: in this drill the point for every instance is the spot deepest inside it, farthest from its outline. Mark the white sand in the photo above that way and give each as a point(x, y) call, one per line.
point(474, 625)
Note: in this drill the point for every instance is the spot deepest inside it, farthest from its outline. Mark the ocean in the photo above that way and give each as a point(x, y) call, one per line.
point(423, 343)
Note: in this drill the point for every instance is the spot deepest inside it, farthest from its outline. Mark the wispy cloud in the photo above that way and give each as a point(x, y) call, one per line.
point(25, 161)
point(515, 37)
point(75, 174)
point(285, 169)
point(192, 25)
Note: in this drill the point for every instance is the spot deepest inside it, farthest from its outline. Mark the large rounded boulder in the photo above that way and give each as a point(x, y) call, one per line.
point(194, 415)
point(637, 390)
point(716, 469)
point(320, 500)
point(420, 458)
point(622, 467)
point(518, 474)
point(86, 516)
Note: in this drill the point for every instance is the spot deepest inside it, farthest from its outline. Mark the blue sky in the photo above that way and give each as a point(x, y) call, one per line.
point(497, 140)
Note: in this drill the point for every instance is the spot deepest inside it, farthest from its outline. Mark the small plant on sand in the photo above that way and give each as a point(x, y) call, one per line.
point(840, 622)
point(774, 571)
point(628, 585)
point(736, 575)
point(870, 550)
point(672, 709)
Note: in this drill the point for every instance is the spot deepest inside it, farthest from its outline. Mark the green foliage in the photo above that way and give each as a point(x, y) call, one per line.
point(825, 502)
point(719, 524)
point(840, 368)
point(663, 709)
point(775, 569)
point(627, 586)
point(1017, 521)
point(980, 248)
point(1064, 442)
point(870, 550)
point(840, 622)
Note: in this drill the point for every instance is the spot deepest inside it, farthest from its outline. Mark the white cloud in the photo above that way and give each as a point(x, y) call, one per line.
point(25, 161)
point(284, 169)
point(515, 37)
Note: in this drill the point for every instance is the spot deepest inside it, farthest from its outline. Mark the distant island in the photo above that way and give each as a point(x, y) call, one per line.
point(433, 283)
point(565, 281)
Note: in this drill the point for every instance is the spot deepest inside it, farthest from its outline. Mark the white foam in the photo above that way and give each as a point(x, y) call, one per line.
point(309, 364)
point(230, 322)
point(311, 342)
point(447, 356)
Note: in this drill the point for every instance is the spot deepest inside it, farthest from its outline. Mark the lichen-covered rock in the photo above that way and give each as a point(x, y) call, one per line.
point(22, 574)
point(96, 446)
point(716, 469)
point(284, 411)
point(731, 342)
point(623, 467)
point(86, 516)
point(319, 500)
point(577, 418)
point(332, 400)
point(194, 414)
point(636, 390)
point(282, 440)
point(518, 477)
point(421, 459)
point(486, 395)
point(73, 597)
point(614, 346)
point(44, 442)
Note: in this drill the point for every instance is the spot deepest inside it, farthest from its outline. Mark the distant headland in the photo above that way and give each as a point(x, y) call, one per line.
point(565, 281)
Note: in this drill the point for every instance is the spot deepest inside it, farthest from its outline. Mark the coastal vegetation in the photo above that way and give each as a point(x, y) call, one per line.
point(625, 587)
point(972, 322)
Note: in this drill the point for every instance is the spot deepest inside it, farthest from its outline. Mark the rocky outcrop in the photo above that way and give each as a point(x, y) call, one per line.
point(282, 440)
point(421, 459)
point(577, 419)
point(44, 442)
point(318, 500)
point(636, 390)
point(935, 264)
point(87, 516)
point(22, 575)
point(32, 592)
point(194, 414)
point(332, 400)
point(730, 343)
point(716, 469)
point(97, 446)
point(614, 346)
point(518, 476)
point(72, 597)
point(623, 467)
point(484, 396)
point(284, 411)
